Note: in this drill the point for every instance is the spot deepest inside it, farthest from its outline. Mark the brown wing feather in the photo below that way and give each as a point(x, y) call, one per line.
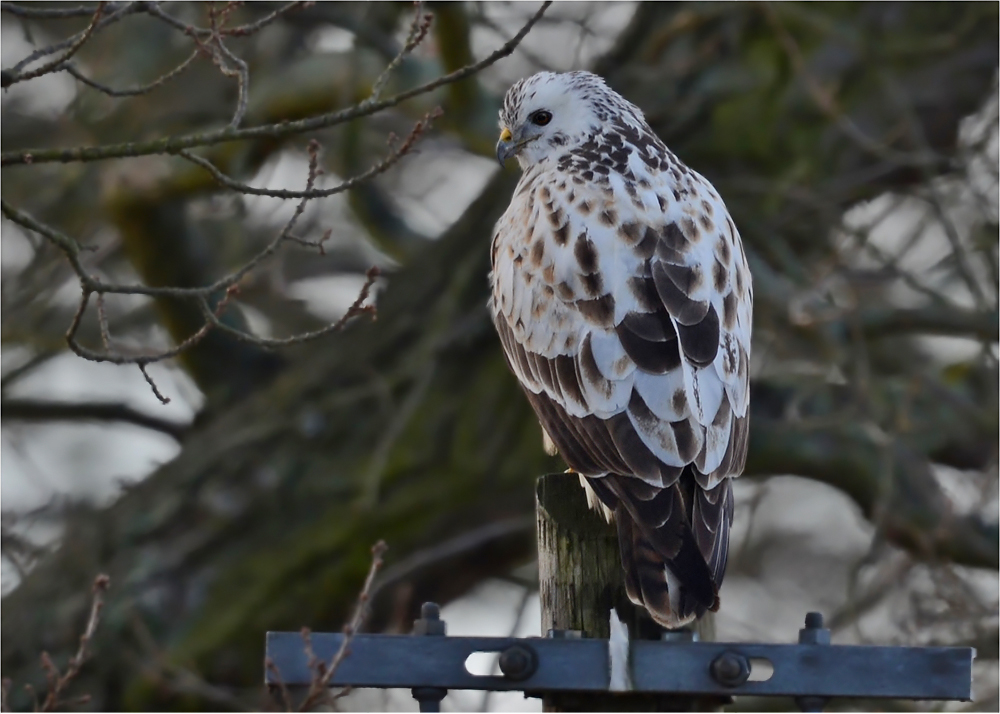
point(679, 526)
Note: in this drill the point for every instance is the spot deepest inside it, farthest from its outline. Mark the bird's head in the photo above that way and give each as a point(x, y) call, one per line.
point(547, 114)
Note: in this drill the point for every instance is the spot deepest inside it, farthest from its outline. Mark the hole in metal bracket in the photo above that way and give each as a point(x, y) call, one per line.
point(761, 669)
point(483, 664)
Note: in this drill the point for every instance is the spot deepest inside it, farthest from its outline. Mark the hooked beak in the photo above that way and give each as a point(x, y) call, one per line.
point(506, 147)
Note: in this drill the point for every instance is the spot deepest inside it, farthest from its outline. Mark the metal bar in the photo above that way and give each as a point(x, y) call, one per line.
point(800, 670)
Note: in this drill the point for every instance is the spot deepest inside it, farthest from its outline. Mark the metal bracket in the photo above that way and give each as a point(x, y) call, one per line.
point(812, 671)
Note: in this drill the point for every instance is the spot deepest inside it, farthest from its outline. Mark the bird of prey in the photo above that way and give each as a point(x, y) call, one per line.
point(622, 297)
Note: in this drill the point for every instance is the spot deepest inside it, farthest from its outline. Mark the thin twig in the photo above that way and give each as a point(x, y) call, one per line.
point(102, 320)
point(47, 13)
point(58, 682)
point(176, 678)
point(11, 79)
point(152, 385)
point(936, 202)
point(114, 16)
point(356, 309)
point(286, 698)
point(142, 360)
point(241, 73)
point(482, 19)
point(391, 160)
point(154, 10)
point(173, 145)
point(456, 547)
point(254, 27)
point(827, 103)
point(419, 27)
point(133, 91)
point(322, 671)
point(89, 283)
point(317, 244)
point(391, 432)
point(90, 286)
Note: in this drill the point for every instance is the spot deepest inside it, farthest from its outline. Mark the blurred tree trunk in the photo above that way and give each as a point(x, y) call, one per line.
point(410, 428)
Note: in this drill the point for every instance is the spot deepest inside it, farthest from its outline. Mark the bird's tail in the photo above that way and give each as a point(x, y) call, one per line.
point(672, 569)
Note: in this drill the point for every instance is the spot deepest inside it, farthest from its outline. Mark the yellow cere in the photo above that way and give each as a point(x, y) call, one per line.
point(505, 134)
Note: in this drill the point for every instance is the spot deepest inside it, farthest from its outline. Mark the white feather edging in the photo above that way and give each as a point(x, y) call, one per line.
point(595, 503)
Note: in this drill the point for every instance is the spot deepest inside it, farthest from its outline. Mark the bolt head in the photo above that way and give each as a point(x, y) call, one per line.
point(518, 662)
point(814, 633)
point(730, 669)
point(814, 620)
point(430, 622)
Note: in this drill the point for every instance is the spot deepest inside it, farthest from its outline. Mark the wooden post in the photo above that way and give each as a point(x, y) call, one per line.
point(580, 580)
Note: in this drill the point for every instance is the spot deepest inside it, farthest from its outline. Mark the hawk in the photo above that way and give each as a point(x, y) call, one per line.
point(622, 297)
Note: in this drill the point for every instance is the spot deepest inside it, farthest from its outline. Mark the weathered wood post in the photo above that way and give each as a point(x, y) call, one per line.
point(580, 580)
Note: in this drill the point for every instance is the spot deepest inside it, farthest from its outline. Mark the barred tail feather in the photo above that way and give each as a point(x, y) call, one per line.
point(670, 568)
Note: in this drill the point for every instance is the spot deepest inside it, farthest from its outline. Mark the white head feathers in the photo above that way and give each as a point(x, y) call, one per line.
point(549, 113)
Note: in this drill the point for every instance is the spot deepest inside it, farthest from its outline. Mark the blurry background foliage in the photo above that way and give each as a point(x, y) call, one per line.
point(855, 146)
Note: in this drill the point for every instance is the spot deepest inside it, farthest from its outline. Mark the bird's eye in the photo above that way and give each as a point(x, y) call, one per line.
point(541, 118)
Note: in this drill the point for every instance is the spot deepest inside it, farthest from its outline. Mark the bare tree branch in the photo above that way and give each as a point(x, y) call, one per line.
point(13, 75)
point(828, 103)
point(38, 410)
point(356, 309)
point(931, 321)
point(48, 13)
point(464, 543)
point(154, 10)
point(173, 145)
point(9, 79)
point(391, 160)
